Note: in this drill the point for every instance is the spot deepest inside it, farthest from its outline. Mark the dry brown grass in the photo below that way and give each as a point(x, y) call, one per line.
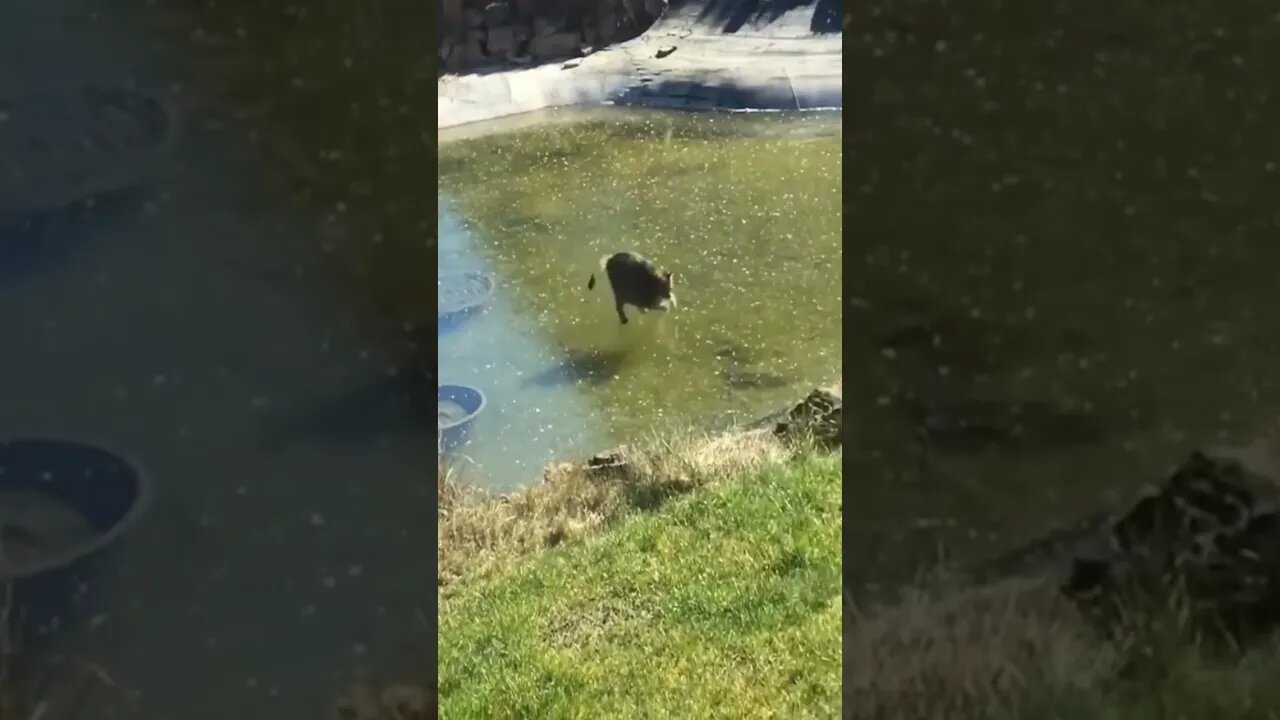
point(966, 653)
point(364, 700)
point(1018, 650)
point(479, 533)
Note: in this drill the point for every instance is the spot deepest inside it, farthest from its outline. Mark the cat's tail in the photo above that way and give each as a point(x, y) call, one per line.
point(591, 283)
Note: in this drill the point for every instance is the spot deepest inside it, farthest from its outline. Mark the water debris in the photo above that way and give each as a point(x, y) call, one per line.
point(753, 380)
point(592, 367)
point(735, 353)
point(974, 424)
point(943, 340)
point(664, 51)
point(734, 359)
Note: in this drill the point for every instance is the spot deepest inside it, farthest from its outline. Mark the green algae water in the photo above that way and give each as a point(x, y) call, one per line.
point(212, 319)
point(1065, 273)
point(744, 209)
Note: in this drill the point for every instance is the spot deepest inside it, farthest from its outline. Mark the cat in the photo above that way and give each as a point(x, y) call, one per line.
point(636, 281)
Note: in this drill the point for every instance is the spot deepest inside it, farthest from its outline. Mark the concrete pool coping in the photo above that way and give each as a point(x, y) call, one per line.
point(776, 65)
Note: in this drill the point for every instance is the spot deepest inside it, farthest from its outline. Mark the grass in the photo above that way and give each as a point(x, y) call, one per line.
point(701, 582)
point(479, 535)
point(1017, 650)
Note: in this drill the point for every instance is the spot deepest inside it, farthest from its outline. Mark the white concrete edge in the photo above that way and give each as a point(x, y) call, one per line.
point(613, 77)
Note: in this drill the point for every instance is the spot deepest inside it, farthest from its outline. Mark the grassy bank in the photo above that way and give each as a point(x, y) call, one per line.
point(703, 582)
point(1019, 651)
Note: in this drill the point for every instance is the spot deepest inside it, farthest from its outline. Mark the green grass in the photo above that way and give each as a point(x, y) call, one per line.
point(722, 604)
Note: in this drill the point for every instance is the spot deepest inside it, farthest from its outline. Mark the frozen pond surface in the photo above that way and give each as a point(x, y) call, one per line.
point(744, 209)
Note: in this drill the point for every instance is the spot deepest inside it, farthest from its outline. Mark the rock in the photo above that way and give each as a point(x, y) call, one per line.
point(1203, 535)
point(501, 40)
point(571, 64)
point(524, 10)
point(497, 14)
point(655, 8)
point(556, 45)
point(610, 464)
point(473, 52)
point(606, 28)
point(819, 415)
point(457, 60)
point(452, 16)
point(608, 461)
point(544, 25)
point(633, 9)
point(664, 51)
